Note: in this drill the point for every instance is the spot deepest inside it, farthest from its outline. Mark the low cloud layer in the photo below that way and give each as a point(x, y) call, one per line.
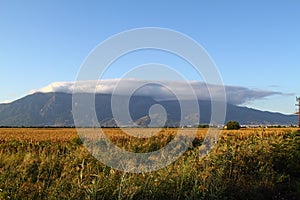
point(161, 90)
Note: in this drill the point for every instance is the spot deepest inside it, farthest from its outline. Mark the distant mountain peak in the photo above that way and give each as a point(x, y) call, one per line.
point(55, 109)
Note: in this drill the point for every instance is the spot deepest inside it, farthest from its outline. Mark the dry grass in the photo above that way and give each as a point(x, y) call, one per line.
point(245, 164)
point(38, 134)
point(68, 134)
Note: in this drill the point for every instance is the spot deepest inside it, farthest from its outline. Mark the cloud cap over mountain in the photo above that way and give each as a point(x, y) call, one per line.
point(161, 90)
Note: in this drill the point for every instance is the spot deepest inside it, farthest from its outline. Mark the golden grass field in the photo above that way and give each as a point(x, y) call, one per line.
point(52, 163)
point(67, 134)
point(62, 135)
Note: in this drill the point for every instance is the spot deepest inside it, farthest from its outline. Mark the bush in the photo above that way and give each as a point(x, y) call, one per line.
point(233, 125)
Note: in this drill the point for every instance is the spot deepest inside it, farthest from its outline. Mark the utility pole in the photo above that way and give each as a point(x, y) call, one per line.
point(298, 105)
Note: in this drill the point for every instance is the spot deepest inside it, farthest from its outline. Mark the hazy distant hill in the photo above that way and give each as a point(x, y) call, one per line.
point(55, 109)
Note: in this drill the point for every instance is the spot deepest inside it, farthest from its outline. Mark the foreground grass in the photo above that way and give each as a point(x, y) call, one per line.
point(244, 165)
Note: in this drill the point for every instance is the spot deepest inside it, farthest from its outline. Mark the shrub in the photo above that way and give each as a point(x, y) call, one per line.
point(233, 125)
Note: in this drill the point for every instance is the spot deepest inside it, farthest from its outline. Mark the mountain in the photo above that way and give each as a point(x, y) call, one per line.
point(55, 109)
point(38, 110)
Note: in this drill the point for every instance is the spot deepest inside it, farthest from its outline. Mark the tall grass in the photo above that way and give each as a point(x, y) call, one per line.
point(252, 165)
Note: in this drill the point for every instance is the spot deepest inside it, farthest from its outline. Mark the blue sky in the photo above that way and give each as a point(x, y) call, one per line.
point(255, 44)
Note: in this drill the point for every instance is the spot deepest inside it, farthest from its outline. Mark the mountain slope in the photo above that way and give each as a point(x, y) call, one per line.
point(38, 110)
point(55, 109)
point(251, 116)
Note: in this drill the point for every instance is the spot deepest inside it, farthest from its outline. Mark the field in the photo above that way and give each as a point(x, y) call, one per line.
point(44, 163)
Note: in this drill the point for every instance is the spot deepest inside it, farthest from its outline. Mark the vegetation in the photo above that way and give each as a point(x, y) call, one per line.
point(245, 164)
point(233, 125)
point(203, 126)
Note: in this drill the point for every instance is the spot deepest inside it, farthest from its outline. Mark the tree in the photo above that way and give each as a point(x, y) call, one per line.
point(203, 126)
point(233, 125)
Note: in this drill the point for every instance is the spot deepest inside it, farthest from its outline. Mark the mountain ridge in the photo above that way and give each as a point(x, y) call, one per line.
point(55, 109)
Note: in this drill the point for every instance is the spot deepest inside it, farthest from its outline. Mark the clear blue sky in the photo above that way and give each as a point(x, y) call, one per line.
point(255, 44)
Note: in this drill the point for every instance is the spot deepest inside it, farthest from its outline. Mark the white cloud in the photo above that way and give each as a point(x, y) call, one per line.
point(160, 89)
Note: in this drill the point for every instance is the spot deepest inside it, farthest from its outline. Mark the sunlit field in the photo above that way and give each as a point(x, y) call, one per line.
point(67, 134)
point(52, 163)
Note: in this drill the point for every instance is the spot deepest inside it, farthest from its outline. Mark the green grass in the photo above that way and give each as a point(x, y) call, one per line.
point(254, 167)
